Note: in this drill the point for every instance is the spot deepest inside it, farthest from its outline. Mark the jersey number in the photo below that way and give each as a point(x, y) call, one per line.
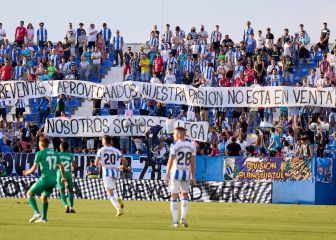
point(52, 160)
point(183, 158)
point(66, 166)
point(109, 159)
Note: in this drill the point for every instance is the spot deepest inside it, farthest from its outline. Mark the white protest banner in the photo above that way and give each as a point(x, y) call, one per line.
point(97, 126)
point(175, 93)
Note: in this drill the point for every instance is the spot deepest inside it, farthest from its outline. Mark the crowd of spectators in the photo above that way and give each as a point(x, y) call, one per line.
point(198, 58)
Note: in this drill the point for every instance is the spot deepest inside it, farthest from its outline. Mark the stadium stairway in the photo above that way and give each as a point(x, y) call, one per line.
point(113, 76)
point(74, 105)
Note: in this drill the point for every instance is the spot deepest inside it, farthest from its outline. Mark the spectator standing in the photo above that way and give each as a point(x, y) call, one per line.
point(96, 60)
point(43, 109)
point(20, 34)
point(247, 31)
point(79, 32)
point(144, 65)
point(118, 44)
point(30, 35)
point(107, 34)
point(6, 71)
point(92, 36)
point(2, 34)
point(216, 37)
point(135, 66)
point(41, 36)
point(269, 39)
point(127, 59)
point(60, 106)
point(233, 149)
point(82, 40)
point(260, 40)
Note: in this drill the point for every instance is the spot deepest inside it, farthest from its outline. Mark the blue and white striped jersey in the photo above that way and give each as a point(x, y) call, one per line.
point(18, 70)
point(118, 42)
point(107, 34)
point(42, 34)
point(110, 159)
point(182, 153)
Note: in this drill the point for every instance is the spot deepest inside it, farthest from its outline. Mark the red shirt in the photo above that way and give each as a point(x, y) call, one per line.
point(6, 72)
point(224, 82)
point(248, 77)
point(31, 77)
point(158, 64)
point(21, 32)
point(239, 82)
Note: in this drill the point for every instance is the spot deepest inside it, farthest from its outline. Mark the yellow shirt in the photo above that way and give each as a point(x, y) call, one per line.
point(144, 63)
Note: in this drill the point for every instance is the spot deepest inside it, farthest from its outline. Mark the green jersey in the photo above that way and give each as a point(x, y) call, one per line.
point(66, 159)
point(48, 162)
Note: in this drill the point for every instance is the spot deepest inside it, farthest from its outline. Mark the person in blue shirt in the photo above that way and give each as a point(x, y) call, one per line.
point(43, 109)
point(251, 45)
point(274, 142)
point(247, 32)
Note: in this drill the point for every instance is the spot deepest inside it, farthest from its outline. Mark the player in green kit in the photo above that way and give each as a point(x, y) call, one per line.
point(48, 162)
point(67, 159)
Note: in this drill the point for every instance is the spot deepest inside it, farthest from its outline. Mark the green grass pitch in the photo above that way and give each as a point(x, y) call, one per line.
point(95, 219)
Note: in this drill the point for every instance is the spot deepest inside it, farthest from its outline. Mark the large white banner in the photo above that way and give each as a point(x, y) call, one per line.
point(175, 93)
point(120, 126)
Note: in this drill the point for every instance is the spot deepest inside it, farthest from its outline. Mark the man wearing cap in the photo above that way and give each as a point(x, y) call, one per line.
point(107, 34)
point(216, 37)
point(20, 34)
point(92, 36)
point(118, 44)
point(41, 35)
point(2, 34)
point(6, 71)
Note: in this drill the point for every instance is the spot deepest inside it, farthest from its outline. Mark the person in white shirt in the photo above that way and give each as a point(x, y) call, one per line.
point(92, 36)
point(2, 34)
point(287, 48)
point(260, 40)
point(165, 52)
point(96, 60)
point(110, 159)
point(271, 67)
point(180, 171)
point(155, 79)
point(170, 77)
point(312, 78)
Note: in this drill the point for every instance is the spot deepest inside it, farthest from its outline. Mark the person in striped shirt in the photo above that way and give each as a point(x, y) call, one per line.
point(41, 35)
point(134, 63)
point(18, 70)
point(118, 44)
point(188, 65)
point(107, 34)
point(216, 37)
point(111, 160)
point(168, 34)
point(153, 40)
point(180, 172)
point(209, 73)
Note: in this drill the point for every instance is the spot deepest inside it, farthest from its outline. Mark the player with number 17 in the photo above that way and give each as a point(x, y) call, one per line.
point(49, 162)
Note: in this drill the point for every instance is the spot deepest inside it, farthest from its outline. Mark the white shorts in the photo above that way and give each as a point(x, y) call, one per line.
point(109, 183)
point(176, 185)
